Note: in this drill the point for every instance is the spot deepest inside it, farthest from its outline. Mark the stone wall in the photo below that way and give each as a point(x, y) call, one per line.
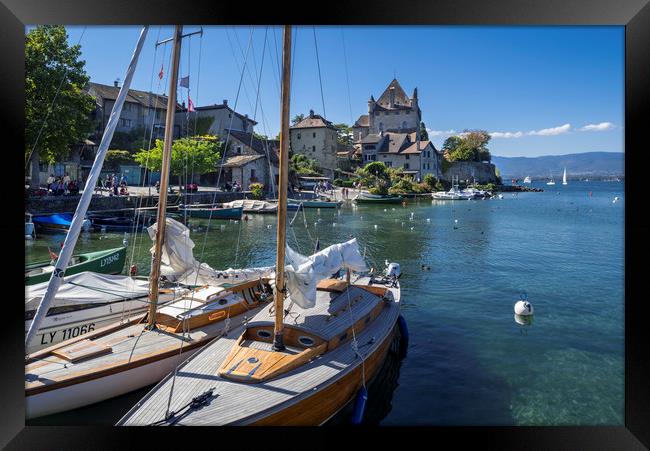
point(467, 170)
point(68, 204)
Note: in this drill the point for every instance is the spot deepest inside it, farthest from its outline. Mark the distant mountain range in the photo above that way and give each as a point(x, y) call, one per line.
point(577, 164)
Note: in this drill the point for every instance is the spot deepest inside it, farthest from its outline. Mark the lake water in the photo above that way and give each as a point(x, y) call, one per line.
point(469, 362)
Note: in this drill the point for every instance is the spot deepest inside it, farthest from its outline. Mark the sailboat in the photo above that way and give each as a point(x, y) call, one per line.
point(303, 360)
point(527, 179)
point(126, 356)
point(551, 181)
point(564, 177)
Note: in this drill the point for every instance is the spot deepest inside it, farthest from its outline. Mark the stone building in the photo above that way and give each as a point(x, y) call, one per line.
point(141, 109)
point(223, 118)
point(393, 111)
point(247, 161)
point(316, 138)
point(401, 150)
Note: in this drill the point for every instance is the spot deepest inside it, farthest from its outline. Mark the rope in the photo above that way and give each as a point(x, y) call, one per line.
point(355, 345)
point(49, 110)
point(320, 81)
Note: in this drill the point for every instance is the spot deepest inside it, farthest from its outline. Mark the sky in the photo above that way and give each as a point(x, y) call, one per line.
point(547, 90)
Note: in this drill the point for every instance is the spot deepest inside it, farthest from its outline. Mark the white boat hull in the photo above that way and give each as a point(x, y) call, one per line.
point(103, 388)
point(57, 328)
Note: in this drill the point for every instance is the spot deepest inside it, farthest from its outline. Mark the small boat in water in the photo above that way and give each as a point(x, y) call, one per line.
point(564, 177)
point(315, 203)
point(213, 212)
point(527, 179)
point(109, 261)
point(367, 198)
point(258, 206)
point(59, 222)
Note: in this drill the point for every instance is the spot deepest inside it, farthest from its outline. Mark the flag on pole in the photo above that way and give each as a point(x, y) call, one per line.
point(160, 74)
point(190, 105)
point(185, 82)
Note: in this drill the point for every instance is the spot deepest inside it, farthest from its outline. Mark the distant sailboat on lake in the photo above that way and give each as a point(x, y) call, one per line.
point(564, 177)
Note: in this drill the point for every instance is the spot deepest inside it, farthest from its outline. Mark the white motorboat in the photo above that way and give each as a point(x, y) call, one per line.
point(527, 179)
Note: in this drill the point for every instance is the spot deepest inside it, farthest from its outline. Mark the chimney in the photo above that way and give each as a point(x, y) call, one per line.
point(311, 113)
point(116, 83)
point(225, 102)
point(183, 105)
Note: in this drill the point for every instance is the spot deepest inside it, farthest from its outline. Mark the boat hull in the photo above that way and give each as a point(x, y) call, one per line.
point(383, 200)
point(328, 401)
point(103, 388)
point(316, 203)
point(110, 261)
point(213, 213)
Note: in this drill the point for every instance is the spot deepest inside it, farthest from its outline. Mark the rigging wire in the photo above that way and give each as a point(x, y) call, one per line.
point(320, 80)
point(347, 77)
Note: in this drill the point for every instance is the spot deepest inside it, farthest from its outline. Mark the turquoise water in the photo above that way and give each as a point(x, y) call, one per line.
point(469, 362)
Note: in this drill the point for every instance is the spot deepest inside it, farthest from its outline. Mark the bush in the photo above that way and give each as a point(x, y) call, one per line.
point(402, 186)
point(257, 190)
point(337, 182)
point(379, 190)
point(421, 188)
point(430, 180)
point(347, 184)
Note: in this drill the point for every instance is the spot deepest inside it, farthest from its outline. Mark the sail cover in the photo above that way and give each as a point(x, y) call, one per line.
point(86, 288)
point(302, 273)
point(177, 262)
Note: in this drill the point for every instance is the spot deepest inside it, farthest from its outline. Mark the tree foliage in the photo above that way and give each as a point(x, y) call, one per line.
point(195, 155)
point(471, 146)
point(114, 158)
point(303, 165)
point(424, 135)
point(49, 63)
point(343, 133)
point(297, 118)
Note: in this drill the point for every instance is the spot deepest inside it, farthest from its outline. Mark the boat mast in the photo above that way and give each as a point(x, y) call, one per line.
point(154, 276)
point(280, 288)
point(75, 227)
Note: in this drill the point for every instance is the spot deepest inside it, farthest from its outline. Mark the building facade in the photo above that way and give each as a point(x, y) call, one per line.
point(390, 133)
point(315, 137)
point(223, 118)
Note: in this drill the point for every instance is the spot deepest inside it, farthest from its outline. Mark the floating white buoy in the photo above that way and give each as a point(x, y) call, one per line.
point(393, 209)
point(360, 218)
point(268, 226)
point(412, 229)
point(501, 196)
point(428, 219)
point(103, 230)
point(385, 210)
point(333, 224)
point(402, 223)
point(456, 221)
point(523, 308)
point(376, 227)
point(125, 241)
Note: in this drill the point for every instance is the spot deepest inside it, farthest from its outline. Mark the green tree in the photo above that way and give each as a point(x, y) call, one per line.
point(196, 155)
point(303, 165)
point(114, 158)
point(471, 146)
point(297, 118)
point(54, 89)
point(424, 135)
point(451, 143)
point(343, 134)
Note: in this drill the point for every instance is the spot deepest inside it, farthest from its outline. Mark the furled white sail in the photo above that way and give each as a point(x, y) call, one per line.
point(304, 273)
point(87, 288)
point(177, 262)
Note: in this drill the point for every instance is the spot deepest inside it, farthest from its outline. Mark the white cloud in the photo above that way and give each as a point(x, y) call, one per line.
point(551, 131)
point(506, 134)
point(441, 132)
point(597, 127)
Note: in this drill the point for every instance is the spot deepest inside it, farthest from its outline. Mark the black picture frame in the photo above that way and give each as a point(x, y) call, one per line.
point(633, 14)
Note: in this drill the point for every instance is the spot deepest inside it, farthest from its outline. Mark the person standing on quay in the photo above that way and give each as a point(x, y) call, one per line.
point(114, 182)
point(66, 181)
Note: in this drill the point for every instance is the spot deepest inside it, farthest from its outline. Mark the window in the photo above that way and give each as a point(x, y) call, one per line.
point(403, 124)
point(125, 122)
point(332, 146)
point(313, 148)
point(408, 156)
point(238, 150)
point(389, 163)
point(252, 174)
point(381, 126)
point(374, 157)
point(298, 135)
point(313, 135)
point(406, 165)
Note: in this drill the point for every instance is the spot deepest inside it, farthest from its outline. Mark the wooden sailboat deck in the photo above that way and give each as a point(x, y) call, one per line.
point(129, 345)
point(243, 403)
